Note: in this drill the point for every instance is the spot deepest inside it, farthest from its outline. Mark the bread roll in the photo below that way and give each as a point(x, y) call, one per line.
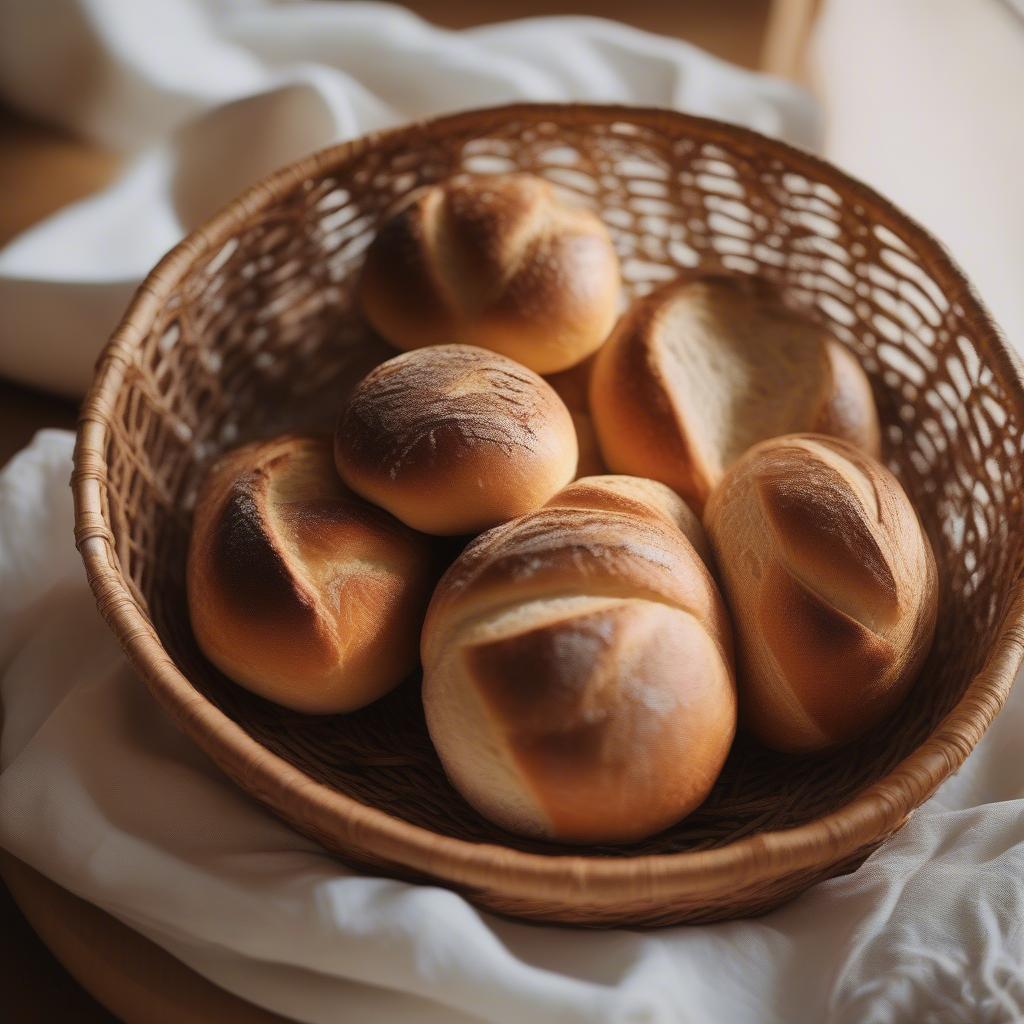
point(454, 439)
point(494, 261)
point(832, 586)
point(701, 369)
point(573, 387)
point(578, 680)
point(299, 590)
point(636, 496)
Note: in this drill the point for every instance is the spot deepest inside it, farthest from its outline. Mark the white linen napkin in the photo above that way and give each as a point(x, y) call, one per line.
point(209, 97)
point(101, 793)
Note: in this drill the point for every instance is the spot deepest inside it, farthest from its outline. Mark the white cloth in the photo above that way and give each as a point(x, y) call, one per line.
point(210, 97)
point(101, 793)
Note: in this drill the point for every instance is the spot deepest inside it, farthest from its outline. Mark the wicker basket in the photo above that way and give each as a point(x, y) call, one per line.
point(247, 327)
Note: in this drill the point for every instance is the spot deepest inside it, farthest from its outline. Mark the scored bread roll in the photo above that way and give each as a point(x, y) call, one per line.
point(832, 585)
point(701, 369)
point(454, 439)
point(297, 588)
point(578, 680)
point(636, 496)
point(494, 261)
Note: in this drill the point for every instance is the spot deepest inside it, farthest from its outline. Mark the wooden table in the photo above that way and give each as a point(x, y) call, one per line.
point(42, 170)
point(45, 170)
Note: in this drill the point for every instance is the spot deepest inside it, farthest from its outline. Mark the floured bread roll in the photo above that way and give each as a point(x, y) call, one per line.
point(297, 588)
point(832, 586)
point(495, 261)
point(454, 439)
point(578, 680)
point(700, 370)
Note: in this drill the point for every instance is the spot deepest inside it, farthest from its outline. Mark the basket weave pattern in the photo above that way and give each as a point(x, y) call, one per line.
point(248, 327)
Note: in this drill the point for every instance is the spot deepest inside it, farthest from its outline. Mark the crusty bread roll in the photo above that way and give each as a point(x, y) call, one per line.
point(454, 439)
point(832, 585)
point(578, 680)
point(701, 369)
point(494, 261)
point(573, 387)
point(297, 588)
point(636, 496)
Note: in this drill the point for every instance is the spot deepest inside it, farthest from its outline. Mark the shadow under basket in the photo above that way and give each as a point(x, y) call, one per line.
point(248, 327)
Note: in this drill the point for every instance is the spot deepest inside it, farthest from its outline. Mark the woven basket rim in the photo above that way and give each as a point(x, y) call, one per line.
point(868, 817)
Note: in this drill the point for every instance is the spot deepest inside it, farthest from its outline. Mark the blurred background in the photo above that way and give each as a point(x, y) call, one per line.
point(920, 98)
point(44, 167)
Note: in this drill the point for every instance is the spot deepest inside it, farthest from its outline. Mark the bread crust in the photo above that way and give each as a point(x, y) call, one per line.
point(832, 585)
point(298, 589)
point(454, 439)
point(573, 387)
point(704, 367)
point(637, 496)
point(578, 679)
point(496, 261)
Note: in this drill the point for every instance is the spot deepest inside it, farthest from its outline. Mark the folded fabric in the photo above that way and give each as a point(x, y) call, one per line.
point(209, 97)
point(101, 793)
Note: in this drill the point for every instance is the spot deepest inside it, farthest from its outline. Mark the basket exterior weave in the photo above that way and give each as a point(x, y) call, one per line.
point(247, 327)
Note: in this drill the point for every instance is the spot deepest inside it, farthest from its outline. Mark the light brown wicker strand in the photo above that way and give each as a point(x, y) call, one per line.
point(748, 849)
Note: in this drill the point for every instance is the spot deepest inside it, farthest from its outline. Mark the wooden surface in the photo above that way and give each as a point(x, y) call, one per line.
point(97, 949)
point(786, 35)
point(733, 29)
point(45, 170)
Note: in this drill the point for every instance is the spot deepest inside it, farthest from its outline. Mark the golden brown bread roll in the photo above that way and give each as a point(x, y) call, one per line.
point(578, 680)
point(832, 585)
point(454, 439)
point(636, 496)
point(573, 387)
point(701, 369)
point(297, 588)
point(494, 261)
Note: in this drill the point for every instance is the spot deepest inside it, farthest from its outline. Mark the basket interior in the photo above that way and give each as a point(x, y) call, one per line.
point(261, 336)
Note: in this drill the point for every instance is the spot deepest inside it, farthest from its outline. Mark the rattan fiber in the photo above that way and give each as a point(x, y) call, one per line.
point(247, 327)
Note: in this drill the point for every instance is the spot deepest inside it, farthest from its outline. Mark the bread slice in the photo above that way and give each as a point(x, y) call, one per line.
point(702, 369)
